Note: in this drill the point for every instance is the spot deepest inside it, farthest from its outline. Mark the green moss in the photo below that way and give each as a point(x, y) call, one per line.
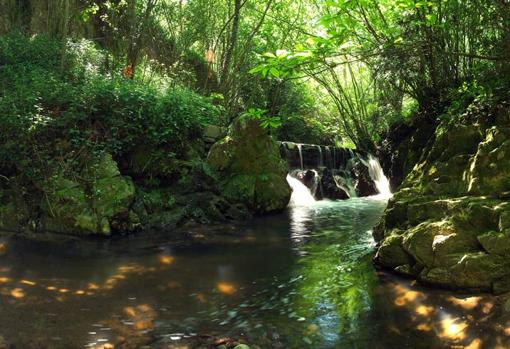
point(89, 207)
point(251, 169)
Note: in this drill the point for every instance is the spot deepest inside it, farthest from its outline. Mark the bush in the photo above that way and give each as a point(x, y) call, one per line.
point(54, 116)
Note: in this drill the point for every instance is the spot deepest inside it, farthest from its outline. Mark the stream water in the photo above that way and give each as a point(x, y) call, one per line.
point(302, 279)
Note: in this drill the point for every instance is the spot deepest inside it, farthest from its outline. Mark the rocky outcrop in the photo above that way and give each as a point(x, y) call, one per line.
point(449, 223)
point(402, 146)
point(251, 169)
point(98, 204)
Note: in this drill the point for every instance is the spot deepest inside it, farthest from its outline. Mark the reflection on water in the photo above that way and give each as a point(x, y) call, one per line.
point(303, 279)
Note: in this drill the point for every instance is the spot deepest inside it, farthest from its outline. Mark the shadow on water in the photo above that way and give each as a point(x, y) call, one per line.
point(303, 279)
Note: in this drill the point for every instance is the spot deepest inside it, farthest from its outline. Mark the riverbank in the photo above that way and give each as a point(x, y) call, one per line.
point(447, 224)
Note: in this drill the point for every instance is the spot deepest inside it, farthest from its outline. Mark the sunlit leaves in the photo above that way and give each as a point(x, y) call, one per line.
point(266, 121)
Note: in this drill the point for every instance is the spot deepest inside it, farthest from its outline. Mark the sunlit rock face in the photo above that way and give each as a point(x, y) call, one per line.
point(252, 170)
point(448, 225)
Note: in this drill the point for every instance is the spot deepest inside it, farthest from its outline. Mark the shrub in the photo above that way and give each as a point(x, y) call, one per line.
point(54, 119)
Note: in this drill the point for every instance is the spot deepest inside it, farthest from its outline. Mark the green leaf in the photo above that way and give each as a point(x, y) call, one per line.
point(275, 72)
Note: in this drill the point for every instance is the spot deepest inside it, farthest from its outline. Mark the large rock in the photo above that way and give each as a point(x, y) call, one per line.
point(451, 213)
point(252, 171)
point(99, 204)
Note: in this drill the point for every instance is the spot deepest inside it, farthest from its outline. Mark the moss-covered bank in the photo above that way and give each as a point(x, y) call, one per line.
point(244, 175)
point(448, 224)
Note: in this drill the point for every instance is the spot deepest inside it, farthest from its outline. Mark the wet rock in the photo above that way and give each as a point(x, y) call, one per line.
point(479, 270)
point(409, 270)
point(491, 161)
point(391, 253)
point(451, 209)
point(363, 184)
point(502, 285)
point(402, 147)
point(418, 241)
point(251, 169)
point(330, 189)
point(419, 212)
point(436, 276)
point(504, 220)
point(307, 177)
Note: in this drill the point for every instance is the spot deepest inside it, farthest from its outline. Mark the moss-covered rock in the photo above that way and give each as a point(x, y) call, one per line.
point(496, 243)
point(98, 204)
point(452, 212)
point(252, 171)
point(391, 254)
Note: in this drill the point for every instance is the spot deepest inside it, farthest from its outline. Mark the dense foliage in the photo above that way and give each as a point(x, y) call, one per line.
point(373, 56)
point(53, 119)
point(335, 71)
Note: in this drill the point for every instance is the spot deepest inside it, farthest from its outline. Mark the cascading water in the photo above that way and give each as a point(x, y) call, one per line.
point(321, 163)
point(324, 172)
point(300, 149)
point(377, 174)
point(301, 195)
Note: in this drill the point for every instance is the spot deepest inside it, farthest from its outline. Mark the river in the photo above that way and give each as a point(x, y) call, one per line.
point(300, 279)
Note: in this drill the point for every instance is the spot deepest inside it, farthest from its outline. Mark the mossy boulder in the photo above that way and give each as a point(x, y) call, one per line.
point(489, 171)
point(496, 242)
point(99, 204)
point(391, 253)
point(251, 169)
point(451, 215)
point(479, 270)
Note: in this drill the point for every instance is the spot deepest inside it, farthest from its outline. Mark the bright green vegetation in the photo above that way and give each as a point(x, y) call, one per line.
point(161, 118)
point(381, 60)
point(60, 118)
point(324, 71)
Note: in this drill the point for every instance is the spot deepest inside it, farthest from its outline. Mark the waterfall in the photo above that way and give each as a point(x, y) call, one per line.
point(301, 195)
point(321, 163)
point(300, 146)
point(327, 172)
point(376, 173)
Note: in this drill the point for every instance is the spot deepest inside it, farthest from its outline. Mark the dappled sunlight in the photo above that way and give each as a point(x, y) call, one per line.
point(226, 288)
point(327, 298)
point(28, 282)
point(405, 296)
point(17, 293)
point(453, 329)
point(452, 320)
point(141, 317)
point(120, 274)
point(166, 259)
point(424, 310)
point(468, 303)
point(475, 344)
